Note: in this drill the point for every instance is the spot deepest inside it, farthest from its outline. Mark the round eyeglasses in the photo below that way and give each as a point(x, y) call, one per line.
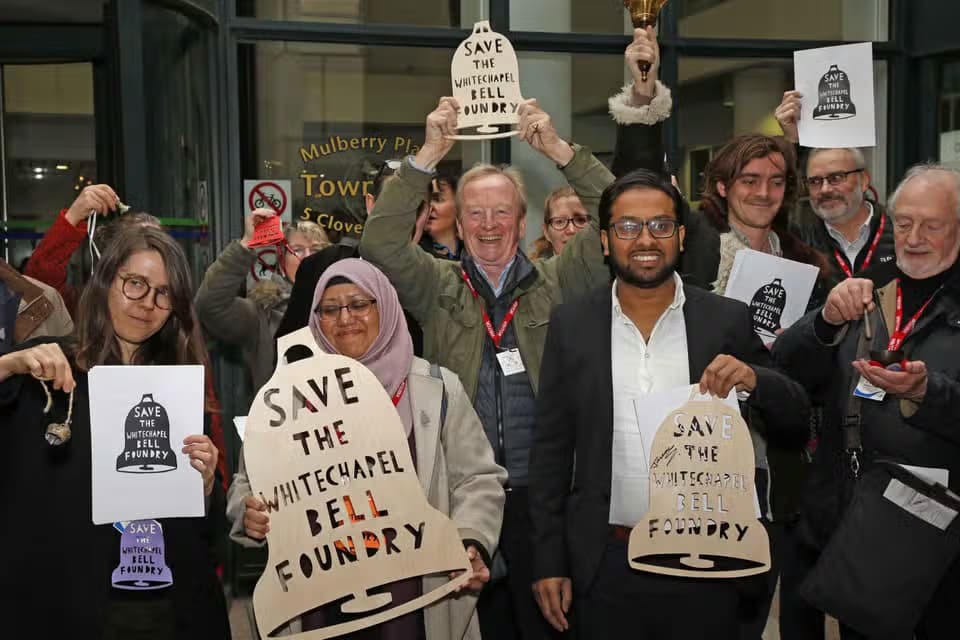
point(136, 288)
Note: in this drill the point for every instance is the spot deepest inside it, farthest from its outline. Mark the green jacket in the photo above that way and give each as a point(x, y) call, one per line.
point(434, 292)
point(248, 323)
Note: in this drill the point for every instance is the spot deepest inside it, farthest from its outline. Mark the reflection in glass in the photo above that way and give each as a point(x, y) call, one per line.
point(49, 146)
point(329, 115)
point(850, 20)
point(433, 13)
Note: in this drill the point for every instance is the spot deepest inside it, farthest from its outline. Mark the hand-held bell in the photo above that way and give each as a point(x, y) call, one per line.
point(644, 13)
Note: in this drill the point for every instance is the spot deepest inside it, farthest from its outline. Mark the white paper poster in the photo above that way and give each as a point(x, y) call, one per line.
point(139, 417)
point(837, 88)
point(630, 494)
point(776, 289)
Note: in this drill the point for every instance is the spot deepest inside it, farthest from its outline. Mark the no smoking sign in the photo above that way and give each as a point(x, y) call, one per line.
point(268, 194)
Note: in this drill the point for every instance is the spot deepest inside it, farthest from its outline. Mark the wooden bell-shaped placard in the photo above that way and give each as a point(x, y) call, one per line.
point(326, 451)
point(702, 520)
point(486, 84)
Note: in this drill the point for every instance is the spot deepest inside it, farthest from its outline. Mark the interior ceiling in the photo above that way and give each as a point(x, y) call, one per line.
point(52, 11)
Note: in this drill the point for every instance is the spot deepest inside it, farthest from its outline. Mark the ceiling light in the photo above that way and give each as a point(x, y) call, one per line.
point(62, 167)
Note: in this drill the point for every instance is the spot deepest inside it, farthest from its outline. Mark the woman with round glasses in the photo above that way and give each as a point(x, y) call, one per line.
point(357, 314)
point(250, 321)
point(58, 573)
point(563, 216)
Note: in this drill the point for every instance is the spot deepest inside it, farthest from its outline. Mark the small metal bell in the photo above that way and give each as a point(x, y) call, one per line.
point(58, 433)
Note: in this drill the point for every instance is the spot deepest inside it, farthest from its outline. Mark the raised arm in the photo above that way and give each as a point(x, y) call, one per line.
point(640, 109)
point(225, 314)
point(387, 234)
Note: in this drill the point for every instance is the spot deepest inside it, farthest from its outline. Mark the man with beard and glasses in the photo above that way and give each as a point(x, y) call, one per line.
point(850, 226)
point(648, 332)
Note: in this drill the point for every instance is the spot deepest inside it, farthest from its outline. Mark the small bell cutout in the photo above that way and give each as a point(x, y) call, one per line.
point(836, 102)
point(767, 308)
point(146, 439)
point(143, 563)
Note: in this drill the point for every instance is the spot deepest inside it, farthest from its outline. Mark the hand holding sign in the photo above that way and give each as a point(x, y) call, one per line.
point(788, 115)
point(267, 229)
point(252, 221)
point(439, 134)
point(537, 129)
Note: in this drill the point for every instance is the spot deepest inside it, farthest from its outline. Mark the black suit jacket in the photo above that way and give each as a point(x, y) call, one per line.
point(575, 419)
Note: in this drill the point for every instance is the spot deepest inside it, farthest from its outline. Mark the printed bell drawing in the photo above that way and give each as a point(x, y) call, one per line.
point(703, 517)
point(486, 84)
point(767, 307)
point(835, 98)
point(348, 511)
point(146, 439)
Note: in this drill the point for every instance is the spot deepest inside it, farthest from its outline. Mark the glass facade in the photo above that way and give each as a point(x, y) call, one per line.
point(48, 147)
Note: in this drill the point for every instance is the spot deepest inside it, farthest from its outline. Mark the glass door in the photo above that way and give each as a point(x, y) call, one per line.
point(47, 148)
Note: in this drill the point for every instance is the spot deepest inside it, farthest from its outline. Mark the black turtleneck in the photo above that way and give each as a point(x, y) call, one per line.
point(917, 292)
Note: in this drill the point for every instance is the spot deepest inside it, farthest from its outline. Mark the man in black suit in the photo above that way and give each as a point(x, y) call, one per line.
point(648, 333)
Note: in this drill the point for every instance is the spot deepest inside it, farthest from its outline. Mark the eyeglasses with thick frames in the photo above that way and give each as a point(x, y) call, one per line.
point(135, 288)
point(357, 308)
point(559, 224)
point(837, 178)
point(630, 228)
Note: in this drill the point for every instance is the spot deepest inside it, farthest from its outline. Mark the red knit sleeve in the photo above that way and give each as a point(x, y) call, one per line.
point(49, 261)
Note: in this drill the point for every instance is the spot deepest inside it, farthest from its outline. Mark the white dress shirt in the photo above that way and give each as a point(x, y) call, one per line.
point(639, 368)
point(852, 249)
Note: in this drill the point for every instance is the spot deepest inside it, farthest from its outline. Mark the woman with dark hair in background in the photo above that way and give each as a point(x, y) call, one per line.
point(136, 310)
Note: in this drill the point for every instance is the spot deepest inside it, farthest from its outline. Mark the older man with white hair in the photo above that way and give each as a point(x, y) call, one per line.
point(906, 407)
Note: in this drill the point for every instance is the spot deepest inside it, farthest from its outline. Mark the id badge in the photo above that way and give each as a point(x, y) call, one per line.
point(510, 362)
point(867, 391)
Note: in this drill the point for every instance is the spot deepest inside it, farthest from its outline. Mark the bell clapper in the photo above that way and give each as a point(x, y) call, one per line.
point(57, 433)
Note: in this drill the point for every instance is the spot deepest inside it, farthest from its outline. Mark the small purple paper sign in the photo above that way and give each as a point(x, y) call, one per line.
point(143, 565)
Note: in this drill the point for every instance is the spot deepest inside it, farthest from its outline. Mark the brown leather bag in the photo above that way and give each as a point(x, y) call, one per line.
point(34, 306)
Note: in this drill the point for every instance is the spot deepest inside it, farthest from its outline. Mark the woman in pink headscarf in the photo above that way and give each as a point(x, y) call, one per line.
point(356, 313)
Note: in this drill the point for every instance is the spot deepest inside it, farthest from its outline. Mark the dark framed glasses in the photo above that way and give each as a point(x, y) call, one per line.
point(357, 308)
point(631, 228)
point(834, 179)
point(136, 288)
point(559, 224)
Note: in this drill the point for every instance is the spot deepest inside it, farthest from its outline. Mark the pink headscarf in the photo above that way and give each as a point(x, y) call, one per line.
point(391, 354)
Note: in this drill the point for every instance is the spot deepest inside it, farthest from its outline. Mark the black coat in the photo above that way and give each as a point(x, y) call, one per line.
point(928, 438)
point(640, 146)
point(575, 419)
point(56, 579)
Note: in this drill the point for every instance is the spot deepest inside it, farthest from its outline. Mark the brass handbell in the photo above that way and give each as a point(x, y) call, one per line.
point(644, 13)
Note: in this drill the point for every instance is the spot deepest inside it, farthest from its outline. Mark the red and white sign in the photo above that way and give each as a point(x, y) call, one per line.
point(268, 194)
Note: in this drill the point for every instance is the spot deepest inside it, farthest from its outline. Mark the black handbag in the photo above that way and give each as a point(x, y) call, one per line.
point(898, 536)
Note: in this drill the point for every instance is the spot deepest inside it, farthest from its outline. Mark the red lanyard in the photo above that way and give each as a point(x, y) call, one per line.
point(873, 248)
point(498, 335)
point(899, 335)
point(399, 393)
